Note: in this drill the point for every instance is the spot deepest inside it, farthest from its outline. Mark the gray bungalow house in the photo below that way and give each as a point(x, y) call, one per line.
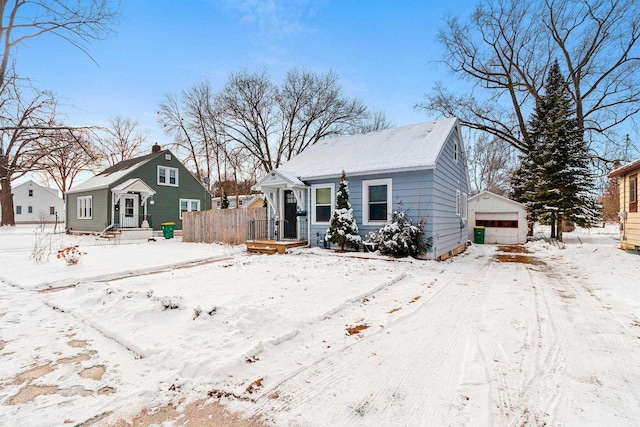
point(138, 193)
point(421, 167)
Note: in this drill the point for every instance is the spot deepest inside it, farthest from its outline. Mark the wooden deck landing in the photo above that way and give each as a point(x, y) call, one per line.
point(272, 246)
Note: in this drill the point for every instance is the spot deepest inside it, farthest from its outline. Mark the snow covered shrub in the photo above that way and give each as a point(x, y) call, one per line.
point(170, 303)
point(71, 254)
point(401, 238)
point(343, 229)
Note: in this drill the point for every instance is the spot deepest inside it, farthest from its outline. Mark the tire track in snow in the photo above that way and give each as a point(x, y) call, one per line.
point(431, 358)
point(610, 360)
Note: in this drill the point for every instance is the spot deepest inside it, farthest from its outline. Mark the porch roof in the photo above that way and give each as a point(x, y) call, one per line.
point(133, 185)
point(279, 179)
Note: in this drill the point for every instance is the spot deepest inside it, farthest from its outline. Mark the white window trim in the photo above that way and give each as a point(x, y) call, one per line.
point(465, 206)
point(85, 202)
point(314, 187)
point(365, 200)
point(458, 202)
point(188, 205)
point(456, 151)
point(167, 169)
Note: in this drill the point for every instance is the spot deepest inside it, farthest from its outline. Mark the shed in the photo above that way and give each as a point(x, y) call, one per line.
point(505, 220)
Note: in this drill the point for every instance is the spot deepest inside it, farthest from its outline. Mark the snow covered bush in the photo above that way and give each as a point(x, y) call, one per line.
point(401, 238)
point(170, 303)
point(343, 229)
point(70, 254)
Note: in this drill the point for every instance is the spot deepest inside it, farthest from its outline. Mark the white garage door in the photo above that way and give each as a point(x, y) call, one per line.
point(500, 228)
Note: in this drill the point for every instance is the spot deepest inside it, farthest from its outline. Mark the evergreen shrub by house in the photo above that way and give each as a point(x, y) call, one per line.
point(343, 229)
point(401, 238)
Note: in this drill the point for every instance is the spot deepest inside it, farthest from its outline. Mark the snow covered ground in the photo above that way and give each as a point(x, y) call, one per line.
point(537, 335)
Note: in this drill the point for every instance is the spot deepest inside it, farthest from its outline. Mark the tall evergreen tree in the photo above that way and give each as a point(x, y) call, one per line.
point(554, 179)
point(342, 227)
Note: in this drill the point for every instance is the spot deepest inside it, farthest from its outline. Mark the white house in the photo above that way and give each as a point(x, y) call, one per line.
point(244, 201)
point(505, 220)
point(36, 204)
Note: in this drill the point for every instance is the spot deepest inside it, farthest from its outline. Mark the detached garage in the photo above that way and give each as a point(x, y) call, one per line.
point(505, 220)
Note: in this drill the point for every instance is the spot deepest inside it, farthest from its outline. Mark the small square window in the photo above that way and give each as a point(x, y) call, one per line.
point(18, 210)
point(52, 210)
point(30, 209)
point(30, 193)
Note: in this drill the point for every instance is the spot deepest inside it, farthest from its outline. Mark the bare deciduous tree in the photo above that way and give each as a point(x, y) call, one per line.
point(246, 111)
point(312, 106)
point(26, 117)
point(77, 22)
point(274, 124)
point(610, 201)
point(192, 122)
point(374, 122)
point(119, 141)
point(252, 124)
point(74, 154)
point(491, 163)
point(506, 47)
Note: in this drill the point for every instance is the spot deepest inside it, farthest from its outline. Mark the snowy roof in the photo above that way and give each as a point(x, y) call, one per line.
point(390, 150)
point(133, 184)
point(278, 178)
point(624, 169)
point(497, 196)
point(112, 174)
point(31, 182)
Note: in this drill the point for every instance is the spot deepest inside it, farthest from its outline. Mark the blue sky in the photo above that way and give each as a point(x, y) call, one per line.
point(384, 52)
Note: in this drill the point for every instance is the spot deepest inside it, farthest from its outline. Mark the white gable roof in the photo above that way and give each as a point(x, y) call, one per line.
point(32, 183)
point(489, 195)
point(390, 150)
point(133, 184)
point(278, 178)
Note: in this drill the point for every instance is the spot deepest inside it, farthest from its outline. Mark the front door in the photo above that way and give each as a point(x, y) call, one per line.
point(290, 219)
point(129, 210)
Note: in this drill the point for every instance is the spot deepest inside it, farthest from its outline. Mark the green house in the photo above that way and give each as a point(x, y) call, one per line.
point(139, 193)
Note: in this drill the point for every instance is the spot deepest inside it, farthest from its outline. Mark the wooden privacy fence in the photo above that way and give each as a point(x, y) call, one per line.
point(219, 225)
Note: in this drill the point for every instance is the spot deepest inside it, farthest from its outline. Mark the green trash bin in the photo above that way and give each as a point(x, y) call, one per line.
point(167, 229)
point(478, 235)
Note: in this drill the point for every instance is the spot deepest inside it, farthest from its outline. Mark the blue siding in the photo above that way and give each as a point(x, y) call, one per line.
point(450, 231)
point(428, 195)
point(412, 189)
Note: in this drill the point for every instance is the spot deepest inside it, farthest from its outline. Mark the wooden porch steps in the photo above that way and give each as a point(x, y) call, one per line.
point(272, 246)
point(261, 250)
